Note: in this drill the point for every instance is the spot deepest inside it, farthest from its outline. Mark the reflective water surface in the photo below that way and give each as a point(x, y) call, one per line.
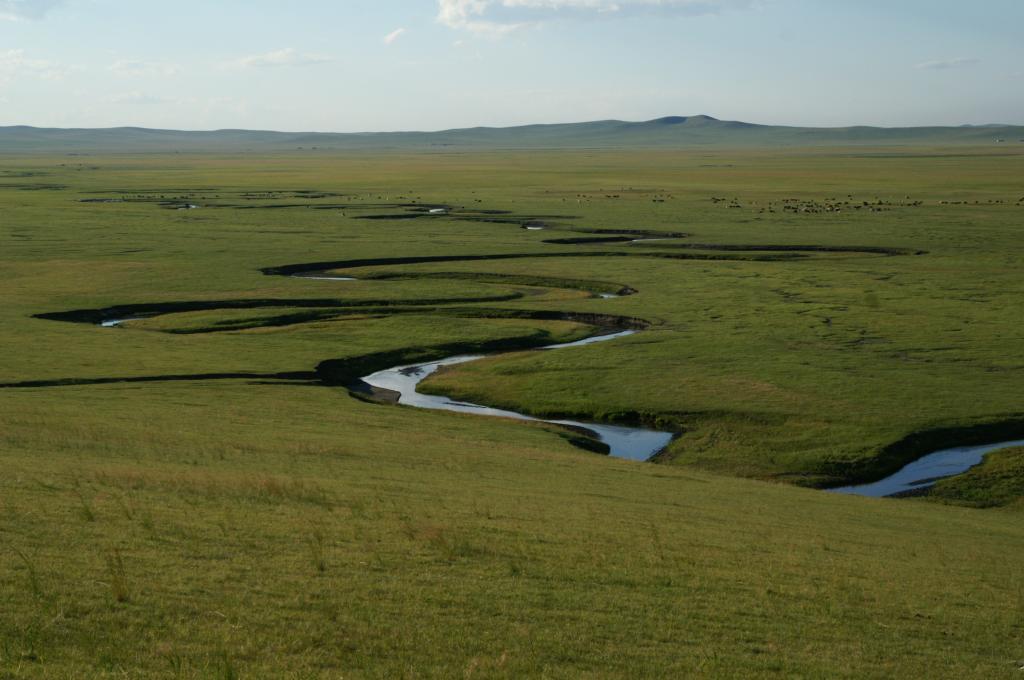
point(632, 443)
point(110, 323)
point(927, 470)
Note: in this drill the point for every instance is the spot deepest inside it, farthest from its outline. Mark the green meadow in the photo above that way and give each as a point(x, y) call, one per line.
point(198, 493)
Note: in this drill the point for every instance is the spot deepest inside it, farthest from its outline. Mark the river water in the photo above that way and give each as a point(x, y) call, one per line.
point(632, 443)
point(927, 470)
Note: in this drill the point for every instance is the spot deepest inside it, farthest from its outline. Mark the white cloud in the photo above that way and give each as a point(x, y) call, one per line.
point(502, 16)
point(14, 63)
point(134, 68)
point(394, 35)
point(137, 98)
point(288, 56)
point(13, 10)
point(945, 64)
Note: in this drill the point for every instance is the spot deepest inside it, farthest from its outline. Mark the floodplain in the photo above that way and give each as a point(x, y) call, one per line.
point(207, 489)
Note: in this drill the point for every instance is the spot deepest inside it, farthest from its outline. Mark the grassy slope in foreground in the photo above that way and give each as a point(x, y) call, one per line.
point(307, 534)
point(193, 528)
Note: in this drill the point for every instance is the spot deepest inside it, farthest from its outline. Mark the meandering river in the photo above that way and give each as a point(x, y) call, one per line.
point(927, 470)
point(635, 443)
point(632, 443)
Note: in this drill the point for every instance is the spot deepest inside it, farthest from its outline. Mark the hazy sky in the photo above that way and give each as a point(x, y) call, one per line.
point(355, 65)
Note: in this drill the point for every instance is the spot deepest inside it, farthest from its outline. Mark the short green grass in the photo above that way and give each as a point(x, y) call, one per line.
point(260, 527)
point(998, 481)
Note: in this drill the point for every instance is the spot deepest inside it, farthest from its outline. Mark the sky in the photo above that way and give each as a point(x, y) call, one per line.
point(376, 65)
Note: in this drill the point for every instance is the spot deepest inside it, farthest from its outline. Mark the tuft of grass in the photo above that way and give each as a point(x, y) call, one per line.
point(450, 544)
point(177, 663)
point(224, 668)
point(85, 509)
point(33, 574)
point(127, 504)
point(22, 645)
point(317, 551)
point(118, 575)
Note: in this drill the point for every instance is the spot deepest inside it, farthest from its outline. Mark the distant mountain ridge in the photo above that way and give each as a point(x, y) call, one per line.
point(667, 132)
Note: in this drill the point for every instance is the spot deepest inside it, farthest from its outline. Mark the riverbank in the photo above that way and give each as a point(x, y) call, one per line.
point(631, 443)
point(262, 521)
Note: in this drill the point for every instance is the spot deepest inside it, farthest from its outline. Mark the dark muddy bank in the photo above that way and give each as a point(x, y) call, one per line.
point(298, 269)
point(599, 288)
point(782, 248)
point(291, 376)
point(632, 443)
point(914, 447)
point(152, 309)
point(916, 478)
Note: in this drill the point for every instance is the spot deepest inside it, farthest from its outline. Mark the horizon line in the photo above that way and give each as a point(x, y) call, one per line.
point(681, 120)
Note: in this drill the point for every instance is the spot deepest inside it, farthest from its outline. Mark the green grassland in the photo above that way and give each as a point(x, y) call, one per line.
point(996, 482)
point(183, 496)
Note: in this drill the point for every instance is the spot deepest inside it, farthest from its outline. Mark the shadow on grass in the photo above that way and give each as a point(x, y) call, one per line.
point(302, 376)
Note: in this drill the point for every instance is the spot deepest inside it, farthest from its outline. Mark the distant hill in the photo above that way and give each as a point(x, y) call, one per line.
point(670, 132)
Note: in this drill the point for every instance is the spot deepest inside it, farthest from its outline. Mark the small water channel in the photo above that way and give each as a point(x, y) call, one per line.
point(632, 443)
point(641, 444)
point(113, 323)
point(927, 470)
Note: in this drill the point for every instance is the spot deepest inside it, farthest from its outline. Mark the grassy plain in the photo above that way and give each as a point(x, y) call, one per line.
point(996, 482)
point(261, 524)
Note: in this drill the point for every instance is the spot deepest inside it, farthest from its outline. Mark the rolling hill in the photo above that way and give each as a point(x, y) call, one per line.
point(668, 132)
